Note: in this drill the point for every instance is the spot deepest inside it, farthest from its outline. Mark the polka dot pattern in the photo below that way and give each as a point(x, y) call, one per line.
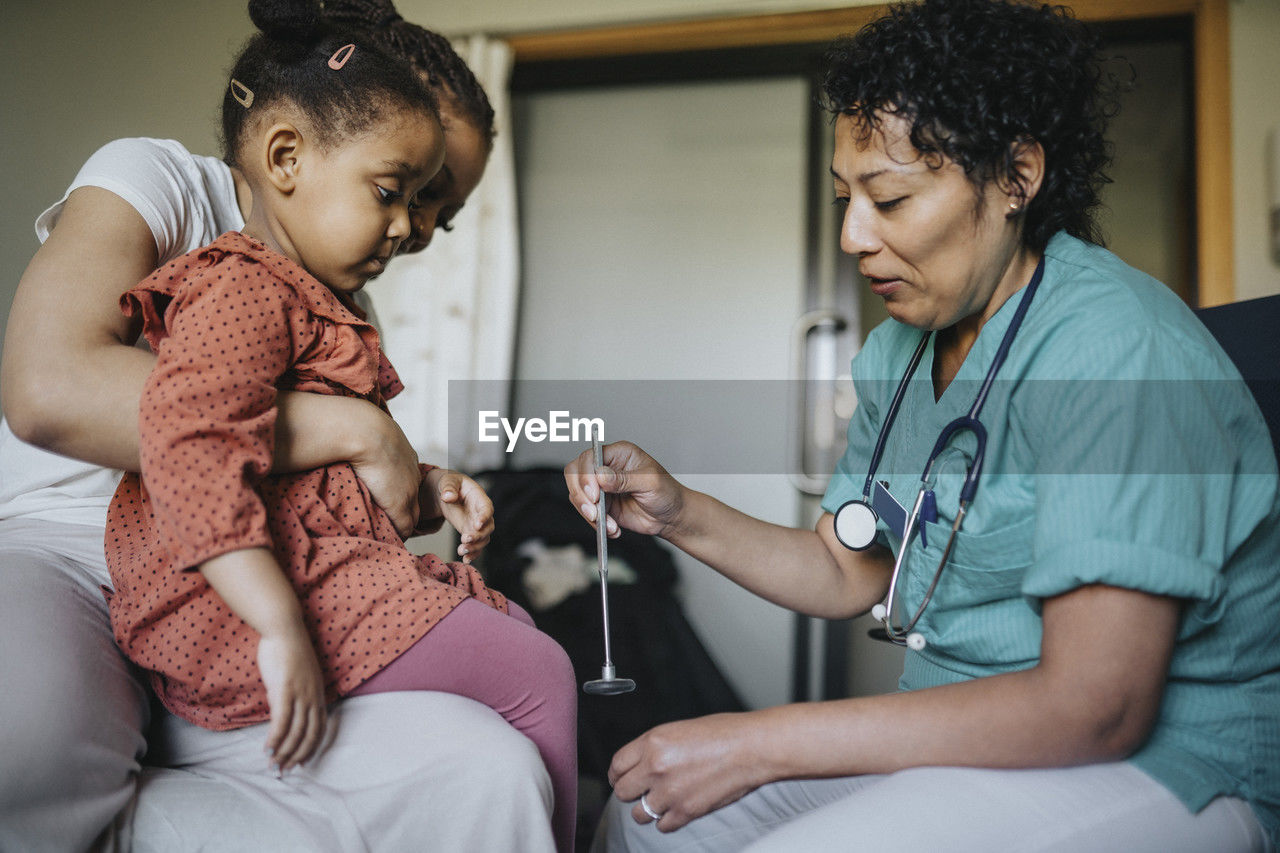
point(232, 324)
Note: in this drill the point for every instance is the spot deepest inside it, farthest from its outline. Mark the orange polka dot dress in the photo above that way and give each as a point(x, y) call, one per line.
point(233, 324)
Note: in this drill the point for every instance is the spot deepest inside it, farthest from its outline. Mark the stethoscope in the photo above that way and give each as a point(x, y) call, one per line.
point(856, 520)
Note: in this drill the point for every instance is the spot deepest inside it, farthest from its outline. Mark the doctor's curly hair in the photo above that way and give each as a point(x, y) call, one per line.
point(974, 77)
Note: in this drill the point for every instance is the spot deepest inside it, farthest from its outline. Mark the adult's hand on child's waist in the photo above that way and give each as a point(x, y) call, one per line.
point(387, 465)
point(314, 430)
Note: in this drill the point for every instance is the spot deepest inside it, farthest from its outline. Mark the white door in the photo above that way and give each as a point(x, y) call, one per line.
point(663, 241)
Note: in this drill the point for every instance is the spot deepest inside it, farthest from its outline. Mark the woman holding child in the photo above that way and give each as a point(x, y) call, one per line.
point(72, 738)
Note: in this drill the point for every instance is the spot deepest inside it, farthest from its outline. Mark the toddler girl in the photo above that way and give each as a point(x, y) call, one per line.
point(251, 597)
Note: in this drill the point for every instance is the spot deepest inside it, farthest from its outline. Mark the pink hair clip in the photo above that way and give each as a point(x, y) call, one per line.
point(341, 55)
point(241, 93)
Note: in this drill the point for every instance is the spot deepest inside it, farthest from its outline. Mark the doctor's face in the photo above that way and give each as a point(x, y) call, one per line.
point(934, 248)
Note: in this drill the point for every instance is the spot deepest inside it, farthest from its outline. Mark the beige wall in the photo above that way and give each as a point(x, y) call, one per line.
point(77, 73)
point(505, 16)
point(1255, 112)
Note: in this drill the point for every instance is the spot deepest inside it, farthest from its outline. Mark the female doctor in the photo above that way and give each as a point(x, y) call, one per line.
point(1094, 658)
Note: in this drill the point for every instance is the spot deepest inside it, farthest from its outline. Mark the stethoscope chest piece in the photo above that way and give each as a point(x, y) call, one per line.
point(855, 525)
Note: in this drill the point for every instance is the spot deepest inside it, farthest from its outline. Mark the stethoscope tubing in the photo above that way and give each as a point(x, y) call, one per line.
point(905, 634)
point(892, 414)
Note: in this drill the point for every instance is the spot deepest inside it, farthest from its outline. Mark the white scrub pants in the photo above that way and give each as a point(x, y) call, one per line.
point(403, 771)
point(1103, 808)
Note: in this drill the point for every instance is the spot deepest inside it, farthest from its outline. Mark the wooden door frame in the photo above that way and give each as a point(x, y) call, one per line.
point(1215, 282)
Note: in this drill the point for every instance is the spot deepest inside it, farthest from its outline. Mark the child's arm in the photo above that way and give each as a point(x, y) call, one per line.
point(255, 589)
point(72, 378)
point(459, 500)
point(207, 421)
point(207, 416)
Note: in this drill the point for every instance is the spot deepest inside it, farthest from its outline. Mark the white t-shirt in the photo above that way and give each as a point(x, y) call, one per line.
point(187, 200)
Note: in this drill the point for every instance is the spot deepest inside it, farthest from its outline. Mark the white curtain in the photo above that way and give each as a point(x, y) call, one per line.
point(448, 314)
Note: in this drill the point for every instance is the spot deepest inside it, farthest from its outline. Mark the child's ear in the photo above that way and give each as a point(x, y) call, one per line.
point(283, 152)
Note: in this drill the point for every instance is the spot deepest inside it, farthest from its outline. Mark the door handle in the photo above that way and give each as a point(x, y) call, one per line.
point(802, 425)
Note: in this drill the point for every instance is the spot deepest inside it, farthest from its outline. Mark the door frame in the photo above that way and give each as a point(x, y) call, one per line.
point(1211, 76)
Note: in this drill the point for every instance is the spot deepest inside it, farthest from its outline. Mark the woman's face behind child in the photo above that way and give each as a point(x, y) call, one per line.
point(466, 155)
point(348, 210)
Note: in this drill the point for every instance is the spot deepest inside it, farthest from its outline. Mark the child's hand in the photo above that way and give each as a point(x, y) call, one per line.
point(252, 585)
point(295, 693)
point(463, 504)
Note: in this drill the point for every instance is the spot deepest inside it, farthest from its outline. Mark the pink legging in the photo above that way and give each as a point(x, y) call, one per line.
point(518, 671)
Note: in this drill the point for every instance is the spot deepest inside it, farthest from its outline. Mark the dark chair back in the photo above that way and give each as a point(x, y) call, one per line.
point(1249, 331)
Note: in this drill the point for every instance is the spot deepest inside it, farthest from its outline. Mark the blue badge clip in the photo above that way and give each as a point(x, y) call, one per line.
point(928, 513)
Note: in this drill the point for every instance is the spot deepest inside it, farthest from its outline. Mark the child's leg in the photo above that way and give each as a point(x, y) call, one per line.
point(511, 666)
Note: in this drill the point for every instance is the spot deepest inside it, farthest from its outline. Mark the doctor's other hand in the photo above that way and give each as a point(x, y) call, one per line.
point(643, 497)
point(689, 768)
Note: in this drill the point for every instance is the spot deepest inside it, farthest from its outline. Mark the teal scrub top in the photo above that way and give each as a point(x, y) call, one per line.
point(1123, 449)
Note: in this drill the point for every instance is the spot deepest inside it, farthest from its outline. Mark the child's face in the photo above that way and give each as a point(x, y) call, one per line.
point(349, 211)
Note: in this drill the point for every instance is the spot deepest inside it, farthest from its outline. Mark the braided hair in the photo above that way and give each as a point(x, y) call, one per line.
point(427, 52)
point(294, 60)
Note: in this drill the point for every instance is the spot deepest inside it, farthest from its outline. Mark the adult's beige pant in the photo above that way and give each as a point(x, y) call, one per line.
point(1104, 808)
point(404, 771)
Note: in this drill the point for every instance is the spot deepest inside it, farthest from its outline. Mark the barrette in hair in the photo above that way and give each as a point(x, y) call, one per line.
point(341, 55)
point(241, 93)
